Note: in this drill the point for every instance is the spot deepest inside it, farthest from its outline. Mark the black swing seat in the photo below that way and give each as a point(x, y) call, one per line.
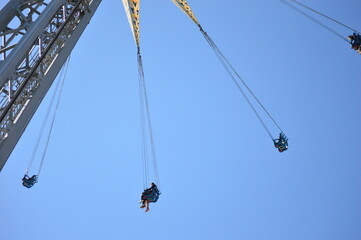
point(29, 181)
point(355, 40)
point(281, 143)
point(151, 194)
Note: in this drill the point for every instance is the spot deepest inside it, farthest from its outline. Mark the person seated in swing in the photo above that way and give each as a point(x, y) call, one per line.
point(281, 143)
point(29, 181)
point(355, 41)
point(149, 195)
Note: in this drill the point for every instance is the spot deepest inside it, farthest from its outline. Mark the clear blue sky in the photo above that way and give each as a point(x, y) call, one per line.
point(221, 176)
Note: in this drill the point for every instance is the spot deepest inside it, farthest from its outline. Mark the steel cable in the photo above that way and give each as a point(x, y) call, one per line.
point(145, 107)
point(315, 20)
point(55, 113)
point(229, 68)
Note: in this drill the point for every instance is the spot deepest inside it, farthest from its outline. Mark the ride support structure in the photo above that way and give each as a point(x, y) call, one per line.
point(37, 37)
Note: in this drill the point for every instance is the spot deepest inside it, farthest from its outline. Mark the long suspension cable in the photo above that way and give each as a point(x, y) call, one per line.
point(145, 107)
point(229, 68)
point(54, 116)
point(41, 133)
point(154, 155)
point(323, 15)
point(237, 84)
point(315, 20)
point(143, 140)
point(238, 76)
point(143, 124)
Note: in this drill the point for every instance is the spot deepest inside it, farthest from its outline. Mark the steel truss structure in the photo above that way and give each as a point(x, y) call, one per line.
point(37, 38)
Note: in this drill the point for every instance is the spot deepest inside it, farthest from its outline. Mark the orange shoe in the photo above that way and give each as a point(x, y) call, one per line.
point(142, 206)
point(146, 210)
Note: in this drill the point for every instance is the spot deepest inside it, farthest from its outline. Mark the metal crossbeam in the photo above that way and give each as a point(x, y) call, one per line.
point(33, 51)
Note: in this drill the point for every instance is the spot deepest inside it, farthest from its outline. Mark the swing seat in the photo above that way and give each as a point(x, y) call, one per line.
point(151, 195)
point(29, 181)
point(355, 40)
point(281, 143)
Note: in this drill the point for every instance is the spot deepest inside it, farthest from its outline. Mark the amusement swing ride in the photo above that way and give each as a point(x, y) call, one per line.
point(39, 47)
